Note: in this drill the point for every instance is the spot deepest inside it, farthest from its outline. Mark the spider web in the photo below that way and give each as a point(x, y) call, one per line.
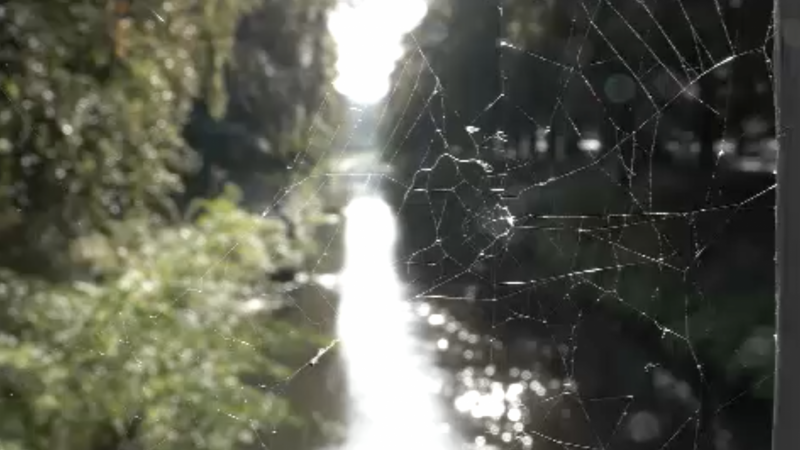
point(541, 268)
point(612, 243)
point(540, 278)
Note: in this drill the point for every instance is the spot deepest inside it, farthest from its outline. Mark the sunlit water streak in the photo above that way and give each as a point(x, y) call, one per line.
point(392, 384)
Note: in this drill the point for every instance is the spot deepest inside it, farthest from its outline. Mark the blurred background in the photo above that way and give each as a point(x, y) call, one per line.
point(362, 224)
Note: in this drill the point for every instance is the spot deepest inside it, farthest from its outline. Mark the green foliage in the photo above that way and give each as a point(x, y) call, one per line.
point(87, 135)
point(119, 318)
point(280, 115)
point(161, 336)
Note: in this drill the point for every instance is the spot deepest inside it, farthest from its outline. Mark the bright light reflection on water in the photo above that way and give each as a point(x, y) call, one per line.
point(393, 386)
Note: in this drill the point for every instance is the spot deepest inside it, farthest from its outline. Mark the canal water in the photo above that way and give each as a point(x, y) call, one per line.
point(410, 371)
point(392, 385)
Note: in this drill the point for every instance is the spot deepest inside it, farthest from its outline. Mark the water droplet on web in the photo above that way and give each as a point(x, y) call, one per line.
point(472, 129)
point(158, 16)
point(485, 166)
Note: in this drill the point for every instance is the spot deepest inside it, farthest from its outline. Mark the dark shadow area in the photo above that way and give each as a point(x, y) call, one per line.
point(600, 176)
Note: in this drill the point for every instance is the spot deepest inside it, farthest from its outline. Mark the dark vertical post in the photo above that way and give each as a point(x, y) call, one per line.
point(786, 432)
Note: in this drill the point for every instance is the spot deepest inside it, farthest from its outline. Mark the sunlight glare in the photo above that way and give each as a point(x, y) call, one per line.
point(391, 382)
point(368, 36)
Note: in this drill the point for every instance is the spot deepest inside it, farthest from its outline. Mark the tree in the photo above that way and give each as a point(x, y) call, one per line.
point(279, 114)
point(441, 88)
point(89, 135)
point(120, 317)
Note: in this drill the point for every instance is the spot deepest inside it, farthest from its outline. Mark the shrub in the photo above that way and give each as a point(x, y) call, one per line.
point(151, 342)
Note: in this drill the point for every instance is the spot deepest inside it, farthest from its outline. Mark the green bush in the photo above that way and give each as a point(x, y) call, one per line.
point(156, 332)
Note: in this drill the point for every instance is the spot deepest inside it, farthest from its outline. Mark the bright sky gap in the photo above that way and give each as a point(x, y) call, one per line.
point(369, 36)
